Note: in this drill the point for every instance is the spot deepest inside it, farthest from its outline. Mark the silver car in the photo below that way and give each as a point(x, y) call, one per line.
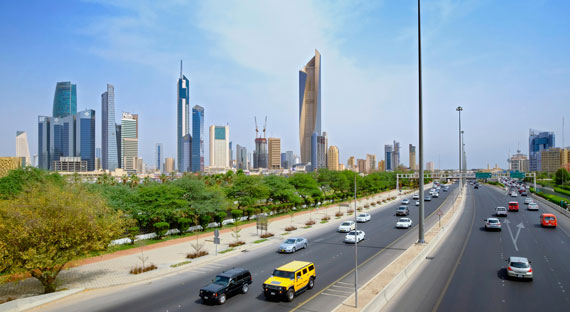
point(492, 224)
point(501, 211)
point(519, 267)
point(293, 244)
point(532, 206)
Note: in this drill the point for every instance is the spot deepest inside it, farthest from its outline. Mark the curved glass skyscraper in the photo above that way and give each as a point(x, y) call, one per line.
point(309, 105)
point(65, 99)
point(183, 122)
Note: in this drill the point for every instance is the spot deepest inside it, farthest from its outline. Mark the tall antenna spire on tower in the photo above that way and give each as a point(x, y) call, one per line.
point(180, 69)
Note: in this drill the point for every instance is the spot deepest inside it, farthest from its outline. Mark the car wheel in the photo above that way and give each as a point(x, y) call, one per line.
point(305, 247)
point(244, 288)
point(290, 295)
point(222, 299)
point(311, 283)
point(294, 249)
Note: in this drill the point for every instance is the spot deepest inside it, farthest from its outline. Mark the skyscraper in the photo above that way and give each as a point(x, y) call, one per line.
point(260, 153)
point(119, 145)
point(65, 99)
point(85, 137)
point(158, 156)
point(351, 163)
point(274, 147)
point(309, 105)
point(314, 151)
point(44, 139)
point(388, 158)
point(220, 147)
point(322, 147)
point(62, 138)
point(332, 158)
point(197, 139)
point(168, 165)
point(396, 156)
point(412, 157)
point(109, 147)
point(130, 141)
point(537, 142)
point(183, 121)
point(370, 162)
point(241, 157)
point(22, 149)
point(186, 161)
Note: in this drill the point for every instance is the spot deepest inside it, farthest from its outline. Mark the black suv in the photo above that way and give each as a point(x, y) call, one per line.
point(225, 284)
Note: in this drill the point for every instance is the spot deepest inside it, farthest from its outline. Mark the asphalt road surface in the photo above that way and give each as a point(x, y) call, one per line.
point(468, 271)
point(334, 261)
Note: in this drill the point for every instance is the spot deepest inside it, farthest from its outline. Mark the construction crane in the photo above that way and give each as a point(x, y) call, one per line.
point(256, 128)
point(264, 127)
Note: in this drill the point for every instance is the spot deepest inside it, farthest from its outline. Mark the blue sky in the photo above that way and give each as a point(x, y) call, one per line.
point(506, 62)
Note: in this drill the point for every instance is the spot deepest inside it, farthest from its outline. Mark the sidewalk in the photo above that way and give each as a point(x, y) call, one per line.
point(113, 269)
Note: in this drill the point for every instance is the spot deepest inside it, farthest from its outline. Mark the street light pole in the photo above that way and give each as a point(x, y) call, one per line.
point(459, 109)
point(421, 239)
point(355, 250)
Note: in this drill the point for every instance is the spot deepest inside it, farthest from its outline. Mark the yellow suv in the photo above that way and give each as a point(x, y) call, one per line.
point(290, 279)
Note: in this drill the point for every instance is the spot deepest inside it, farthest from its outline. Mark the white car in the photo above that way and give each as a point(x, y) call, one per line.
point(416, 196)
point(514, 194)
point(405, 201)
point(346, 226)
point(436, 195)
point(528, 200)
point(519, 267)
point(417, 202)
point(501, 212)
point(352, 236)
point(363, 217)
point(404, 223)
point(532, 206)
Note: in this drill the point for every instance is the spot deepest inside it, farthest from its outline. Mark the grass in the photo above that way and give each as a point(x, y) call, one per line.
point(324, 221)
point(260, 240)
point(286, 233)
point(307, 227)
point(180, 264)
point(227, 250)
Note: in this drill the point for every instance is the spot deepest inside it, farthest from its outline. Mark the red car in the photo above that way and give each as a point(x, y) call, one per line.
point(513, 206)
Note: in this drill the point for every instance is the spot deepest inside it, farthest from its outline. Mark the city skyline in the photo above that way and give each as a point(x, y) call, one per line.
point(359, 72)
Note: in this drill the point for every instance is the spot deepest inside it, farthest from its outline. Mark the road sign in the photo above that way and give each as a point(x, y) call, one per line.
point(516, 175)
point(216, 233)
point(482, 175)
point(216, 240)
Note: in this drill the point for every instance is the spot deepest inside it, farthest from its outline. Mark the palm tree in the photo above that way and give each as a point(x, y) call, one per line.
point(146, 180)
point(134, 180)
point(125, 179)
point(163, 177)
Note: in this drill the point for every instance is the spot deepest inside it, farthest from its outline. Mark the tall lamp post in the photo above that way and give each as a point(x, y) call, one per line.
point(421, 239)
point(464, 160)
point(459, 109)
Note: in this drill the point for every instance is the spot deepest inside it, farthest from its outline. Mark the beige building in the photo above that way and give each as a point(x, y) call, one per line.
point(551, 159)
point(362, 166)
point(381, 166)
point(351, 163)
point(219, 147)
point(309, 105)
point(10, 163)
point(412, 157)
point(430, 166)
point(274, 149)
point(332, 158)
point(519, 162)
point(22, 149)
point(341, 167)
point(168, 165)
point(370, 162)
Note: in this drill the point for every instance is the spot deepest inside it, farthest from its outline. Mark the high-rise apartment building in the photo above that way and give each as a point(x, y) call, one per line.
point(519, 162)
point(309, 105)
point(183, 120)
point(168, 165)
point(412, 157)
point(130, 141)
point(110, 145)
point(44, 158)
point(197, 138)
point(341, 167)
point(158, 157)
point(85, 137)
point(322, 148)
point(65, 99)
point(370, 162)
point(351, 163)
point(260, 153)
point(537, 142)
point(362, 166)
point(22, 148)
point(430, 166)
point(220, 147)
point(396, 156)
point(382, 166)
point(388, 157)
point(551, 159)
point(332, 158)
point(241, 157)
point(274, 149)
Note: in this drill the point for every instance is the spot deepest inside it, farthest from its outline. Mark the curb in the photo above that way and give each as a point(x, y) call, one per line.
point(35, 301)
point(399, 280)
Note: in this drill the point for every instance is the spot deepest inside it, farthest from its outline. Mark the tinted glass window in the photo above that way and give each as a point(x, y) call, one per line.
point(283, 274)
point(298, 274)
point(304, 271)
point(311, 267)
point(221, 280)
point(520, 265)
point(549, 218)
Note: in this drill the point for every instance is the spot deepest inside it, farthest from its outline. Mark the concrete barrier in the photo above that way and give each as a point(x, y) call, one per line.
point(399, 280)
point(35, 301)
point(551, 205)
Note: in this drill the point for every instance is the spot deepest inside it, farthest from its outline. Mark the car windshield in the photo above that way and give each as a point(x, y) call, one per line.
point(493, 221)
point(362, 215)
point(501, 208)
point(345, 223)
point(403, 220)
point(402, 208)
point(290, 241)
point(221, 280)
point(520, 265)
point(284, 274)
point(350, 233)
point(549, 218)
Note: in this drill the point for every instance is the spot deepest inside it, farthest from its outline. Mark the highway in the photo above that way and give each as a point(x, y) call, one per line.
point(468, 271)
point(334, 262)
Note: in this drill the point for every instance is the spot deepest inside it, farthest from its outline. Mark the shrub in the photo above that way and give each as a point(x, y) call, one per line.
point(266, 235)
point(350, 211)
point(326, 218)
point(310, 222)
point(204, 221)
point(238, 243)
point(183, 225)
point(367, 206)
point(196, 254)
point(219, 217)
point(360, 208)
point(339, 214)
point(140, 269)
point(290, 228)
point(161, 228)
point(132, 233)
point(237, 213)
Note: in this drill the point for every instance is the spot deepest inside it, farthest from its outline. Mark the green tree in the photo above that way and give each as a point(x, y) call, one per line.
point(17, 180)
point(561, 176)
point(49, 225)
point(247, 190)
point(280, 191)
point(306, 186)
point(159, 202)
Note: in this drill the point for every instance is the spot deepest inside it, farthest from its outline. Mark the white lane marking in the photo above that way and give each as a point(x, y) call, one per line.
point(514, 239)
point(324, 293)
point(341, 291)
point(345, 283)
point(343, 287)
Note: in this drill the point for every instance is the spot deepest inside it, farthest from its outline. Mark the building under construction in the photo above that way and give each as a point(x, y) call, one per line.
point(260, 153)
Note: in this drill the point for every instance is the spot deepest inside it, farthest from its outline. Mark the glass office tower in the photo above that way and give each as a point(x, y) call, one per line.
point(109, 157)
point(65, 99)
point(197, 139)
point(183, 121)
point(85, 137)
